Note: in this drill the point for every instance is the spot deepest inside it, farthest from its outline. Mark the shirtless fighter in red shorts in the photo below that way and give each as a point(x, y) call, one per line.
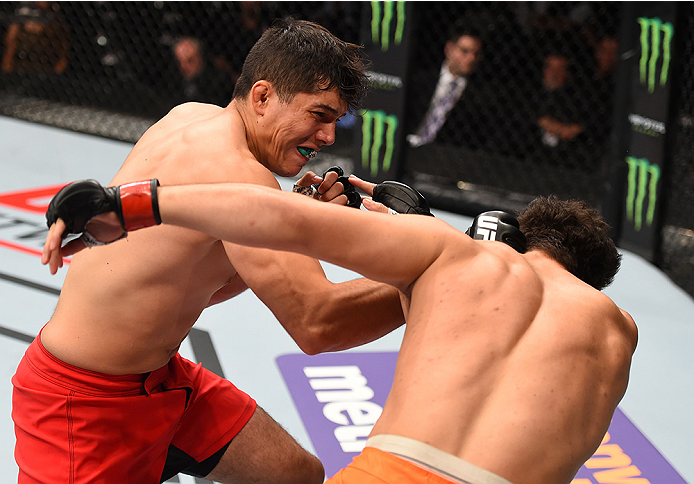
point(102, 395)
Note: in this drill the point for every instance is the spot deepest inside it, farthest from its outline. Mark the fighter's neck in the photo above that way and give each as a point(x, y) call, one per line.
point(241, 120)
point(542, 262)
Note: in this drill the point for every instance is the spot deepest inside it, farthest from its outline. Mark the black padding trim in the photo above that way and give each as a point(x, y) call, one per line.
point(155, 200)
point(177, 461)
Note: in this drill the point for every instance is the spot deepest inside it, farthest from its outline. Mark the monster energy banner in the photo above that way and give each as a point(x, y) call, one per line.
point(385, 35)
point(647, 114)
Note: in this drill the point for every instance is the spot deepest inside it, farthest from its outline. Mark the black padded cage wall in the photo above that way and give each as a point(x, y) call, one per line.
point(108, 68)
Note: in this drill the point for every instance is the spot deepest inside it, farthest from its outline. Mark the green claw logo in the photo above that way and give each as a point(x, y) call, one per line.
point(382, 14)
point(642, 183)
point(651, 43)
point(377, 127)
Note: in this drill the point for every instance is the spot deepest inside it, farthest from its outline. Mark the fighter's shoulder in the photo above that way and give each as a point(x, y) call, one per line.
point(194, 108)
point(179, 119)
point(489, 250)
point(627, 327)
point(462, 249)
point(183, 116)
point(607, 312)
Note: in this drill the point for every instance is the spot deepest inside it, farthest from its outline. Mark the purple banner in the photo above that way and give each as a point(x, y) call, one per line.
point(626, 455)
point(340, 396)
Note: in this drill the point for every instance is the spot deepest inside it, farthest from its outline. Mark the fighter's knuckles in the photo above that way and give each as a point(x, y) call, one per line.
point(77, 203)
point(330, 193)
point(330, 177)
point(339, 200)
point(401, 198)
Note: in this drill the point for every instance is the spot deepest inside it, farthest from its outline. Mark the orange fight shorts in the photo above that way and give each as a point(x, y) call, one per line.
point(375, 466)
point(75, 426)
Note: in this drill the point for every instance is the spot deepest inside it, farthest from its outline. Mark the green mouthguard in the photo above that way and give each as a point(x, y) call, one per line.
point(305, 151)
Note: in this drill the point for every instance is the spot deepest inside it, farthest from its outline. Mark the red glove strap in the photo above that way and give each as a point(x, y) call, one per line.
point(137, 206)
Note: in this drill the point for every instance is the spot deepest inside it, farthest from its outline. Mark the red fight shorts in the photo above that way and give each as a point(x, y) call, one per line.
point(375, 466)
point(77, 426)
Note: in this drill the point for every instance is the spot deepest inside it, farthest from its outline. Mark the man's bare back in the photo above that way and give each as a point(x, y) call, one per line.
point(504, 363)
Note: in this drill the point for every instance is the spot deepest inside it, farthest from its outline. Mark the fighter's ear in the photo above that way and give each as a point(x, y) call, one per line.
point(260, 93)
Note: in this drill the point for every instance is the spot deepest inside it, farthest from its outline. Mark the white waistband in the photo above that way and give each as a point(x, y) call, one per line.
point(438, 461)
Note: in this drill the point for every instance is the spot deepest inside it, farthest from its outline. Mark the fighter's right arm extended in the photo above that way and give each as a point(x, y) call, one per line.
point(391, 249)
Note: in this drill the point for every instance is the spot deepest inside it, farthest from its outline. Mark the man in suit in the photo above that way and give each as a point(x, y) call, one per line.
point(450, 112)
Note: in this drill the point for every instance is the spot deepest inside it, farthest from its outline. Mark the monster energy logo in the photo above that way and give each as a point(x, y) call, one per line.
point(642, 182)
point(381, 18)
point(376, 127)
point(651, 29)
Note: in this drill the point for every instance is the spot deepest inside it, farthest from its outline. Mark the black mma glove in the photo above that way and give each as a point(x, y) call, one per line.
point(135, 204)
point(498, 225)
point(401, 198)
point(353, 197)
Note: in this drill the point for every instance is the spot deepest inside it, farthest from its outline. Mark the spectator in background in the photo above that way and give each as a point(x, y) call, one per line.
point(606, 57)
point(450, 103)
point(38, 41)
point(559, 120)
point(241, 27)
point(199, 80)
point(341, 18)
point(601, 91)
point(549, 22)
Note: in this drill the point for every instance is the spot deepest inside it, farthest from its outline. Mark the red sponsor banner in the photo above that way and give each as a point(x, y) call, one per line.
point(33, 200)
point(22, 219)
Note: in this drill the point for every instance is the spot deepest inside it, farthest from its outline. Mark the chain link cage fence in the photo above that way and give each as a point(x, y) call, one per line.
point(539, 62)
point(677, 238)
point(113, 68)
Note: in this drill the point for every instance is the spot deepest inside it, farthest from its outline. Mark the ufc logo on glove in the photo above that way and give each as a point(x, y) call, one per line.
point(487, 225)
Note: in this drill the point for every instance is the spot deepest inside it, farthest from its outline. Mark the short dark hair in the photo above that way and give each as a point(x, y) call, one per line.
point(574, 235)
point(301, 56)
point(463, 28)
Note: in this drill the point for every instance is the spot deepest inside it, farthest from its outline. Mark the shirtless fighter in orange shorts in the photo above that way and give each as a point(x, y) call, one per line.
point(512, 362)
